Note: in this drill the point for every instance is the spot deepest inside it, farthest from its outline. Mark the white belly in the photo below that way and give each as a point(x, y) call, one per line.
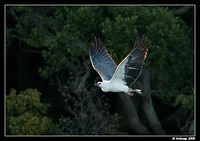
point(115, 87)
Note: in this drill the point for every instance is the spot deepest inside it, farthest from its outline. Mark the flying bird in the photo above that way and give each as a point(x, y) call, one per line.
point(118, 78)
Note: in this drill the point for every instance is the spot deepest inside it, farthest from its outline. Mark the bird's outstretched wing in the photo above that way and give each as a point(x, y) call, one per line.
point(101, 60)
point(131, 66)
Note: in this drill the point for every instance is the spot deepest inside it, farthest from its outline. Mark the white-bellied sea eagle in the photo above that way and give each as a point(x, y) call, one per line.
point(118, 78)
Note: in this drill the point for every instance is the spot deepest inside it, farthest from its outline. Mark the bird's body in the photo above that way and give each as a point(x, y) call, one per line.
point(110, 86)
point(118, 78)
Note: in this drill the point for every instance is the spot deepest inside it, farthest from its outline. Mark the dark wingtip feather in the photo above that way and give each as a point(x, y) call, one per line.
point(95, 42)
point(143, 44)
point(91, 48)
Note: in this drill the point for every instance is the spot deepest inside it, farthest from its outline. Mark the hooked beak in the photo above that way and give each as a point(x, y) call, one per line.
point(97, 84)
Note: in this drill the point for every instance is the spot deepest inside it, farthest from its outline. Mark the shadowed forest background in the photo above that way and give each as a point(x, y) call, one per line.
point(50, 82)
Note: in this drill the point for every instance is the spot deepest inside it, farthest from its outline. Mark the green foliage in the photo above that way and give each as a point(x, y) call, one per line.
point(63, 34)
point(169, 57)
point(25, 114)
point(187, 101)
point(57, 34)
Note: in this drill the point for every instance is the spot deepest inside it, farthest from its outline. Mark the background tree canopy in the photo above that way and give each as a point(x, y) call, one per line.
point(47, 49)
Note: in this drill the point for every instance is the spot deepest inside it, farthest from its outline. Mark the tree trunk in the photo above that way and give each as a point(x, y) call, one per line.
point(148, 104)
point(133, 118)
point(191, 128)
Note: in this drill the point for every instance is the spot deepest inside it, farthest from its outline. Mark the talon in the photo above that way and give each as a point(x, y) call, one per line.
point(131, 94)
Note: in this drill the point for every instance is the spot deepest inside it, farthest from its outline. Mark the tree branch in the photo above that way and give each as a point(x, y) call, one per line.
point(181, 11)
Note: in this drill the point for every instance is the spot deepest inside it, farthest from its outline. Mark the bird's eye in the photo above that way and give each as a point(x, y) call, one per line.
point(98, 83)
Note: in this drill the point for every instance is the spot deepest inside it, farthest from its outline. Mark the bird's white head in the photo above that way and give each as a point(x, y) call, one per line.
point(99, 84)
point(102, 85)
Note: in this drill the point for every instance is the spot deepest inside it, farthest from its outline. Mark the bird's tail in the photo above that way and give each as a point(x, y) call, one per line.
point(131, 92)
point(138, 91)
